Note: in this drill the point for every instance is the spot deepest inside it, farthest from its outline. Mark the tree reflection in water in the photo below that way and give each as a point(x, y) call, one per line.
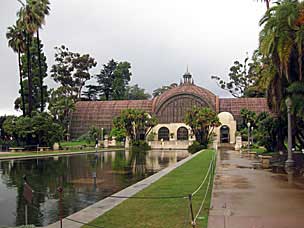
point(85, 179)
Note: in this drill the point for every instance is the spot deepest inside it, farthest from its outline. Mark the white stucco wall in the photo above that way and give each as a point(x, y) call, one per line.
point(227, 119)
point(173, 127)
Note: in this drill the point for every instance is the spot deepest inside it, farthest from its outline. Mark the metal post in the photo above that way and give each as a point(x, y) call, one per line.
point(25, 212)
point(191, 211)
point(289, 162)
point(252, 136)
point(60, 190)
point(102, 134)
point(248, 137)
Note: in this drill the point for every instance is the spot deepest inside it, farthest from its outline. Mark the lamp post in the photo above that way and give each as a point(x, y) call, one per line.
point(289, 162)
point(248, 125)
point(252, 135)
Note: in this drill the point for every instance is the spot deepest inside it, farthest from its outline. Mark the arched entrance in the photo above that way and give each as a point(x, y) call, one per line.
point(182, 134)
point(225, 134)
point(163, 134)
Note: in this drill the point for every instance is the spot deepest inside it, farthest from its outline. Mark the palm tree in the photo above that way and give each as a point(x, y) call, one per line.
point(40, 9)
point(25, 22)
point(267, 3)
point(16, 41)
point(278, 38)
point(281, 41)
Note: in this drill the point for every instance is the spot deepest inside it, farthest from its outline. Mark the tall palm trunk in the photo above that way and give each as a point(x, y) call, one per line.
point(29, 76)
point(267, 4)
point(21, 83)
point(40, 72)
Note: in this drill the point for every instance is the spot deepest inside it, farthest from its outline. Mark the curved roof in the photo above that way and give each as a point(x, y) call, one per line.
point(101, 113)
point(185, 89)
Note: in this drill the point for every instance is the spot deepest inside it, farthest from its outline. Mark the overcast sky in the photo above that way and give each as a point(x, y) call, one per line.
point(158, 37)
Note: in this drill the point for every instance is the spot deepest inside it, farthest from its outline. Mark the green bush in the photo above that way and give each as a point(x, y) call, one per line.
point(119, 133)
point(195, 147)
point(38, 129)
point(141, 144)
point(151, 136)
point(84, 138)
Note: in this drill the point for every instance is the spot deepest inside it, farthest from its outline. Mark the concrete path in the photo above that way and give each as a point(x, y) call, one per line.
point(92, 212)
point(244, 197)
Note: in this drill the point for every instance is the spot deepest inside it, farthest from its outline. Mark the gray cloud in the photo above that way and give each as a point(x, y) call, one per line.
point(158, 37)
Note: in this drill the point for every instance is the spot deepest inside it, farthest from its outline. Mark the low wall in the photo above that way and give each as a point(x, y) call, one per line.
point(168, 145)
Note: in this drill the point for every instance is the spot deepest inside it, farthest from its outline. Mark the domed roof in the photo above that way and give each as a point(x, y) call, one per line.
point(185, 89)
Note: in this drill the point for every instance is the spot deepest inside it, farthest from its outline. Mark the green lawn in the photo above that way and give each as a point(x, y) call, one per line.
point(164, 213)
point(77, 143)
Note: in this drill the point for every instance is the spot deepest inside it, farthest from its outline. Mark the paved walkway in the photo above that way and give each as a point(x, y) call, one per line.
point(244, 197)
point(92, 212)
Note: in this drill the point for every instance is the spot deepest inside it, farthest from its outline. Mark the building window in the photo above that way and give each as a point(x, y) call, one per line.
point(182, 134)
point(163, 134)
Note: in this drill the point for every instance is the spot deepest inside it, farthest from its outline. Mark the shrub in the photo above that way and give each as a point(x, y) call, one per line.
point(195, 147)
point(119, 133)
point(141, 144)
point(151, 136)
point(39, 129)
point(85, 137)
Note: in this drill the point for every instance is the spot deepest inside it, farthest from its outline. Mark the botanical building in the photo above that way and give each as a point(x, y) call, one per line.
point(170, 109)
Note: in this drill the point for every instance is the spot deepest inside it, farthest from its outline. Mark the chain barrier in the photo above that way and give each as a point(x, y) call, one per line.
point(190, 196)
point(206, 176)
point(204, 199)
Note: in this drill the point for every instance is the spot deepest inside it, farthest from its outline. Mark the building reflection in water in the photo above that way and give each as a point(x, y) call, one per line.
point(85, 179)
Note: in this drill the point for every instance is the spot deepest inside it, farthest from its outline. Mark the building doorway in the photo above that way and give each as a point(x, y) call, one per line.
point(225, 134)
point(163, 134)
point(182, 134)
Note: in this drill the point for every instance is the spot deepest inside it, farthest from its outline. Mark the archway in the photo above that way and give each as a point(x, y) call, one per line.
point(225, 134)
point(182, 134)
point(163, 134)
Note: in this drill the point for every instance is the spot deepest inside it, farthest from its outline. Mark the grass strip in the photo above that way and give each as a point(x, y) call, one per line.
point(164, 213)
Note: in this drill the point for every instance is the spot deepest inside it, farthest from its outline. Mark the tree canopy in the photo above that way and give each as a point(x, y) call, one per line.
point(135, 122)
point(202, 122)
point(72, 70)
point(244, 78)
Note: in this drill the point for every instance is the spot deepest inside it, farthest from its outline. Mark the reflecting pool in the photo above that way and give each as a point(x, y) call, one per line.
point(85, 179)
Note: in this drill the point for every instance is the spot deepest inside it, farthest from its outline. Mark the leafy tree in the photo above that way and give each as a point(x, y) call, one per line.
point(136, 123)
point(136, 93)
point(119, 133)
point(163, 89)
point(296, 93)
point(72, 70)
point(39, 129)
point(248, 117)
point(267, 129)
point(95, 133)
point(61, 105)
point(202, 122)
point(122, 77)
point(37, 71)
point(113, 80)
point(91, 93)
point(243, 78)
